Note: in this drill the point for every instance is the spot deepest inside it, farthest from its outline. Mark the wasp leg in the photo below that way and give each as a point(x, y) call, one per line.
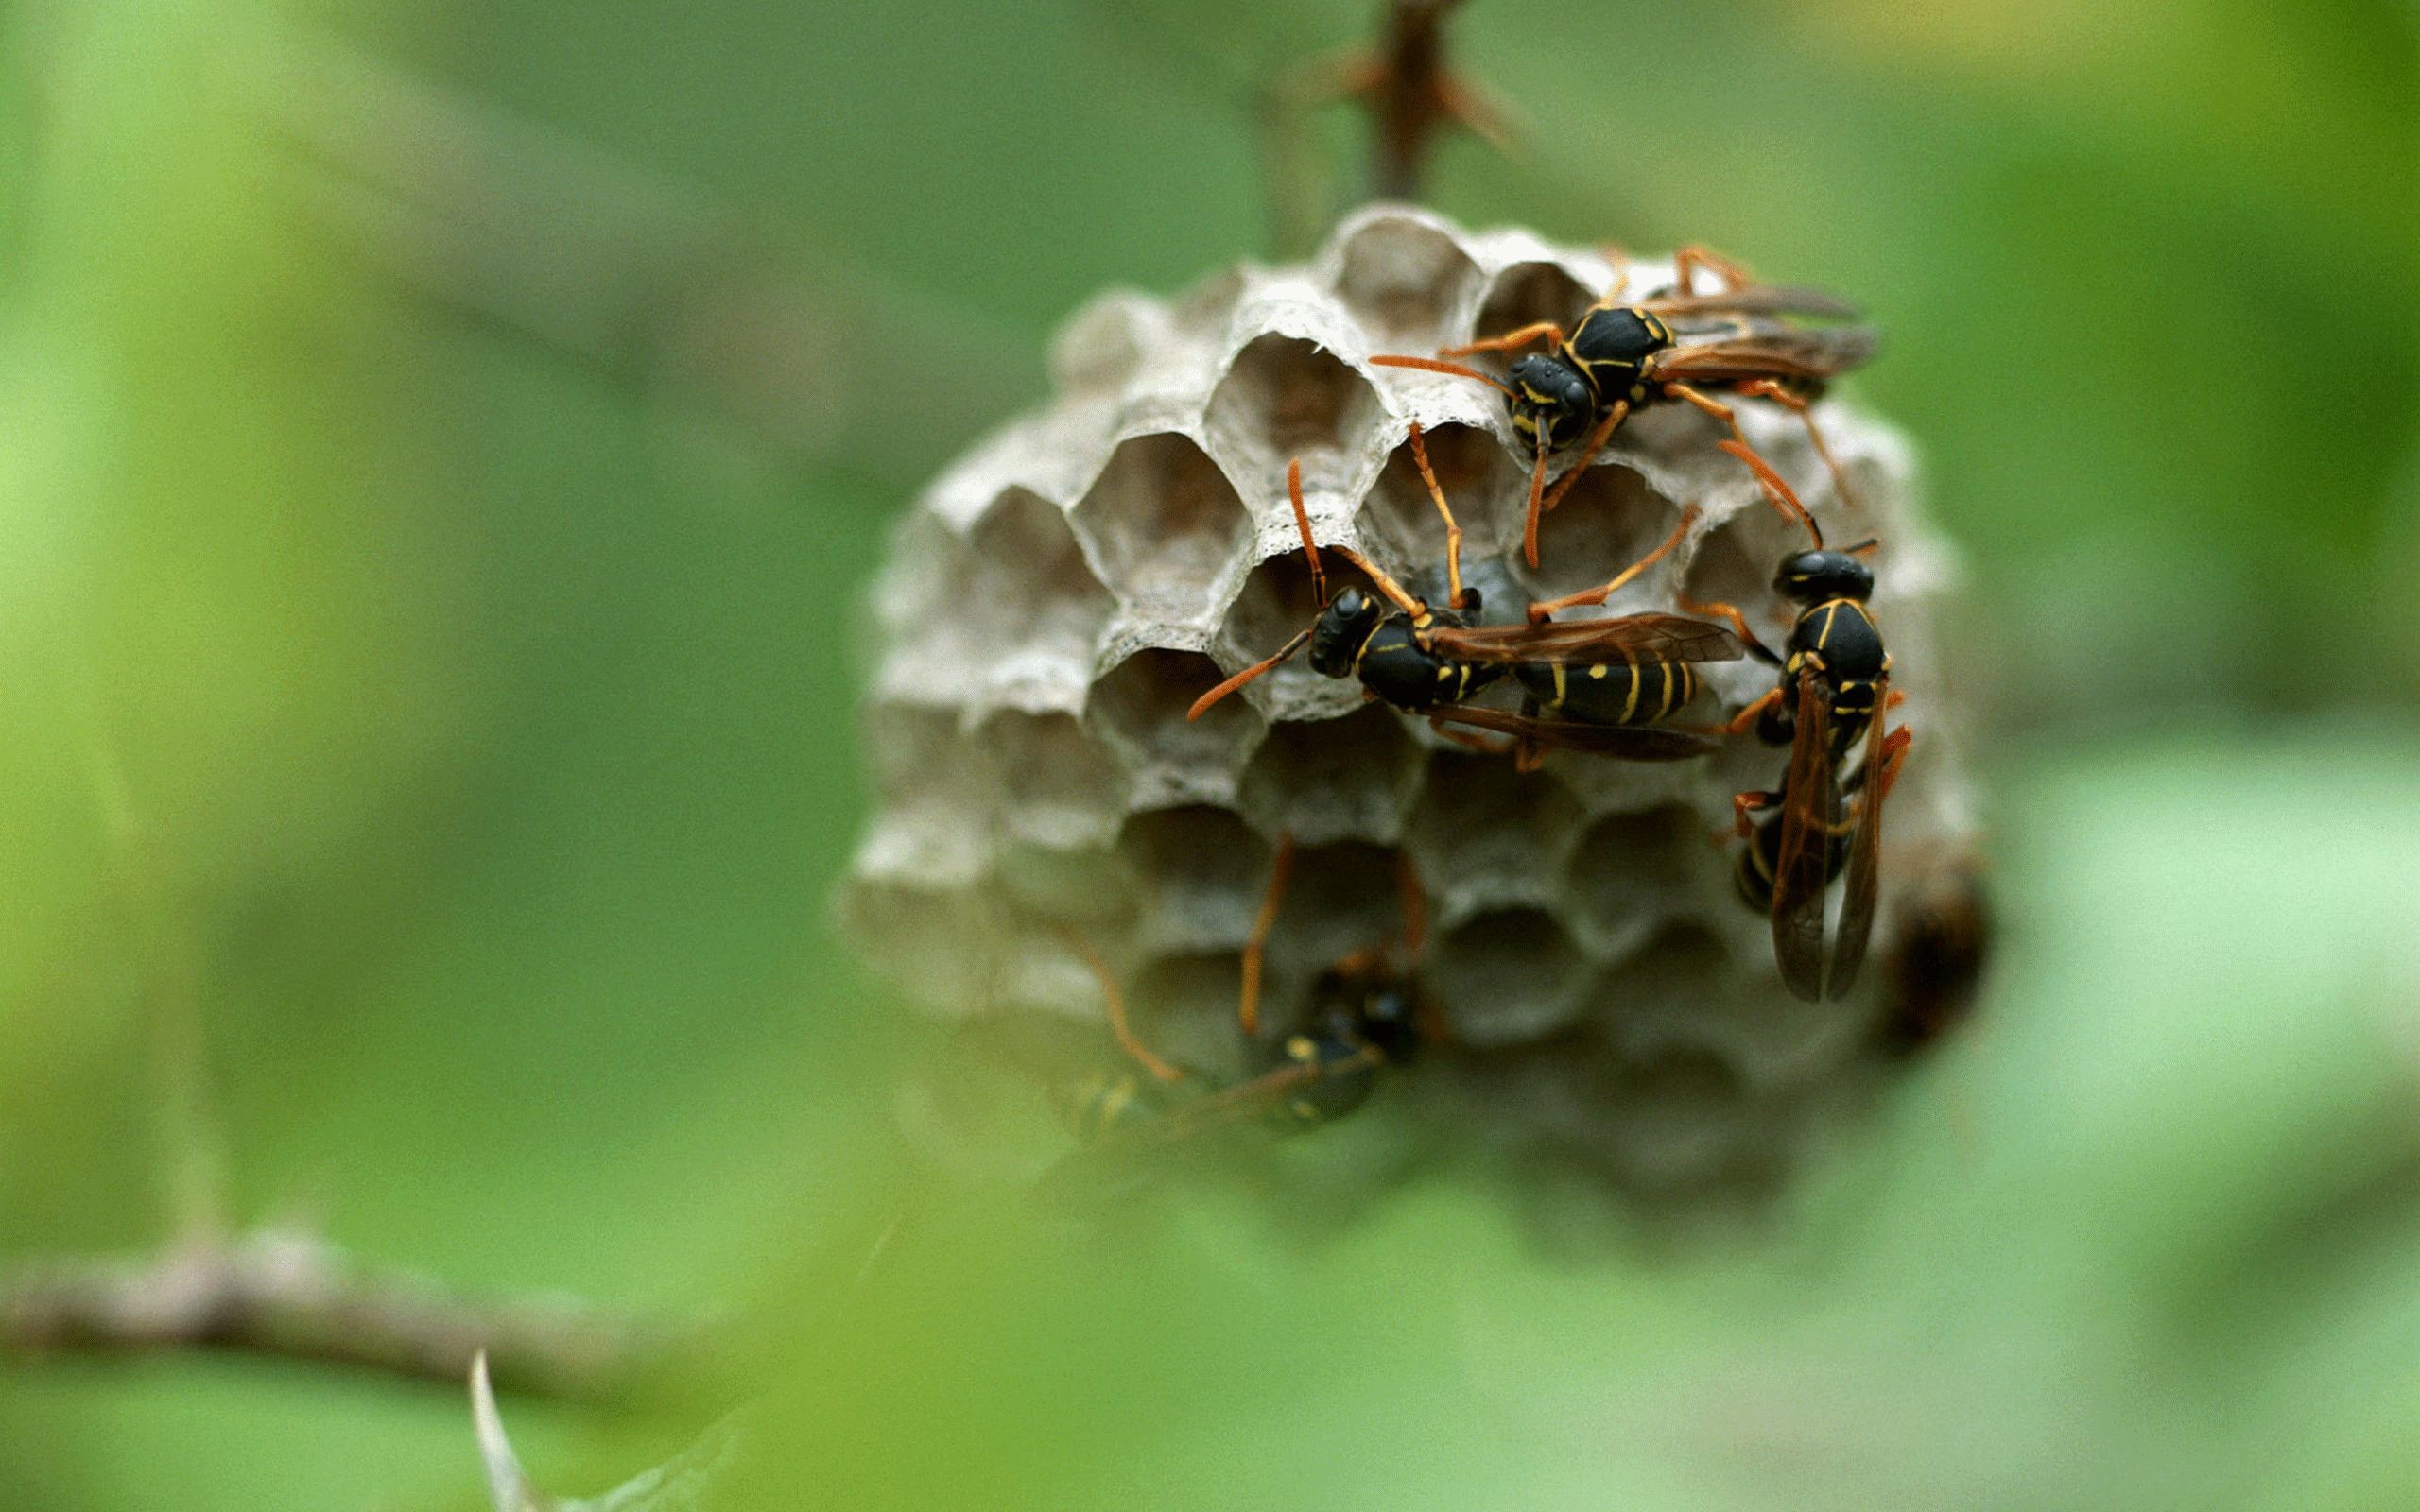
point(1472, 740)
point(1541, 612)
point(1740, 722)
point(1537, 491)
point(1453, 530)
point(1248, 1000)
point(1612, 299)
point(1688, 259)
point(1798, 405)
point(1509, 341)
point(1118, 1027)
point(1596, 439)
point(1743, 804)
point(1739, 625)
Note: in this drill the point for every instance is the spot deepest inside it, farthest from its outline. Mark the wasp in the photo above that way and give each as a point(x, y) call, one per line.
point(1366, 1016)
point(1604, 678)
point(1619, 358)
point(1932, 971)
point(1830, 705)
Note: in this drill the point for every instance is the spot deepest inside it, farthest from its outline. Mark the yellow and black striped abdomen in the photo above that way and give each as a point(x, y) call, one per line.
point(1610, 693)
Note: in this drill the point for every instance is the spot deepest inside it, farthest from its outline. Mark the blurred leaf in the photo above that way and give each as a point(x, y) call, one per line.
point(681, 1485)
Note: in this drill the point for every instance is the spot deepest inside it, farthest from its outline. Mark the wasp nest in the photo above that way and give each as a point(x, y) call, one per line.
point(1057, 600)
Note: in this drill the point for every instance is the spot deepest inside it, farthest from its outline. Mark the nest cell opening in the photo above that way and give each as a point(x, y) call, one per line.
point(1164, 524)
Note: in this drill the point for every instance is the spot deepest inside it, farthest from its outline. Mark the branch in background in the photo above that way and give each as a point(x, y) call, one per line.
point(654, 284)
point(1411, 95)
point(289, 1296)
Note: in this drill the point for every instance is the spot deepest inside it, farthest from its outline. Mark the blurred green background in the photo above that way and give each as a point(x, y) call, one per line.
point(441, 446)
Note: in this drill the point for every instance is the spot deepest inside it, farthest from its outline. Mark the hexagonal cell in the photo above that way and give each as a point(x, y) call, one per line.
point(1164, 525)
point(1285, 398)
point(1342, 899)
point(1201, 875)
point(1609, 520)
point(1181, 1006)
point(1733, 564)
point(1061, 799)
point(1481, 483)
point(1632, 870)
point(1684, 992)
point(1100, 348)
point(1673, 1123)
point(919, 754)
point(1486, 836)
point(1528, 292)
point(1030, 584)
point(1348, 779)
point(1277, 603)
point(935, 942)
point(1404, 279)
point(1505, 977)
point(1138, 711)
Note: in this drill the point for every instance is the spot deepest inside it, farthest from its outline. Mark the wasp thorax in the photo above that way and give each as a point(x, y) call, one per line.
point(1338, 634)
point(1812, 577)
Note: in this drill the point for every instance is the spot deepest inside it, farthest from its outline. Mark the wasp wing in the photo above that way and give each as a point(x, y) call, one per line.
point(1785, 353)
point(1754, 299)
point(1633, 638)
point(1811, 806)
point(1630, 743)
point(1865, 855)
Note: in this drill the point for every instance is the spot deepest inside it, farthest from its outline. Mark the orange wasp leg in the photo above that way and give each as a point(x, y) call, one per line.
point(1509, 341)
point(1540, 612)
point(1248, 1000)
point(1117, 1021)
point(1453, 530)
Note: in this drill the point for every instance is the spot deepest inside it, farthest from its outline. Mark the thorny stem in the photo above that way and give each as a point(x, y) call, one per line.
point(287, 1295)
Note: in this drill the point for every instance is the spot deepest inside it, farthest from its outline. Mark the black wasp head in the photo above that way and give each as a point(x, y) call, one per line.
point(1364, 1001)
point(1813, 576)
point(1550, 395)
point(1338, 633)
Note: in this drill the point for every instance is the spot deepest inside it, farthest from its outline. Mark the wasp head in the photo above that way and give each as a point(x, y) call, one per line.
point(1550, 398)
point(1813, 576)
point(1338, 633)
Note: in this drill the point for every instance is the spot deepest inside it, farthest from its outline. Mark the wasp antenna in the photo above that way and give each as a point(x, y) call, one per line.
point(1537, 493)
point(1863, 546)
point(1394, 592)
point(1453, 530)
point(1784, 498)
point(1302, 523)
point(1201, 705)
point(1452, 369)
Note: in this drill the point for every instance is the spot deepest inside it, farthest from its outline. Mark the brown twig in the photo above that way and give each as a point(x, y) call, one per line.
point(1412, 93)
point(289, 1296)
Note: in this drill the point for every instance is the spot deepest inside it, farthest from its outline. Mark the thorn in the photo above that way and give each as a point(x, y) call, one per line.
point(508, 1485)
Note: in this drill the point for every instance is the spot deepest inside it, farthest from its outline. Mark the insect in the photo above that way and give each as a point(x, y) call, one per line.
point(1365, 1016)
point(1611, 676)
point(1933, 968)
point(1832, 698)
point(1619, 358)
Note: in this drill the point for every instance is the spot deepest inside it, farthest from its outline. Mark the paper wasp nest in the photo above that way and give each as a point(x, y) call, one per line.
point(1057, 599)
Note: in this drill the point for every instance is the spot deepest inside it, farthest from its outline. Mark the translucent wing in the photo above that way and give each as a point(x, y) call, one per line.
point(1631, 743)
point(1781, 352)
point(1809, 820)
point(1631, 638)
point(1754, 299)
point(1865, 857)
